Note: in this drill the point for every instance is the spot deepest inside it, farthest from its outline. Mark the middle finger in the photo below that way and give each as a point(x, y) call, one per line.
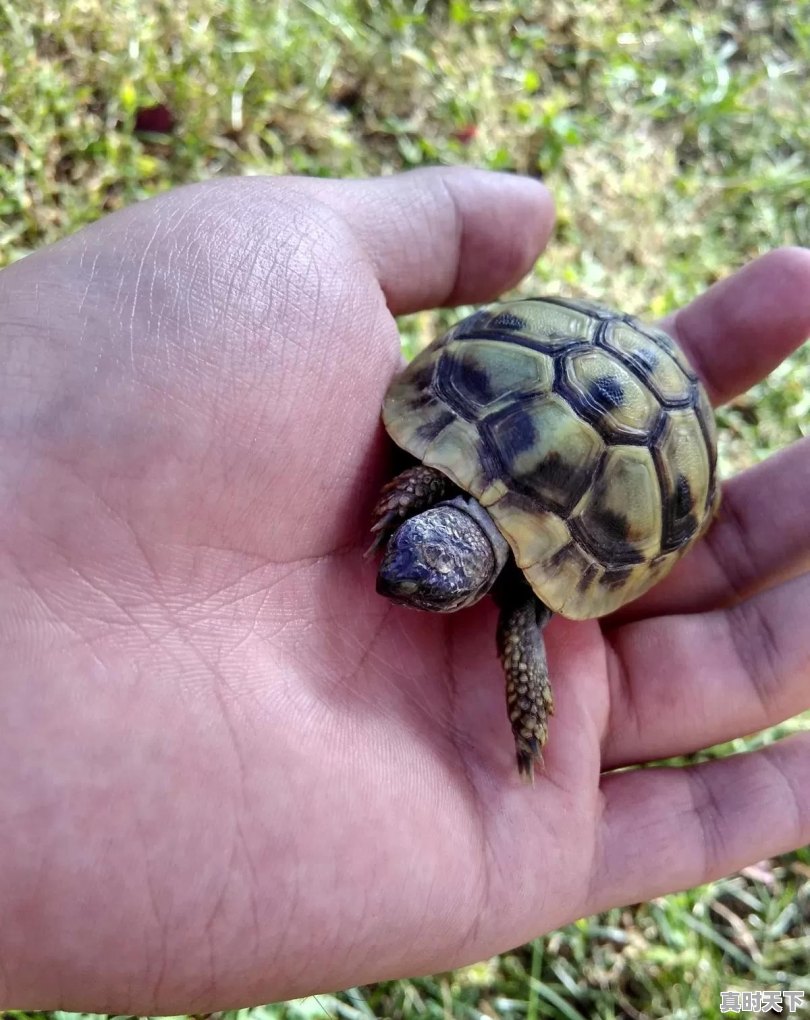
point(679, 684)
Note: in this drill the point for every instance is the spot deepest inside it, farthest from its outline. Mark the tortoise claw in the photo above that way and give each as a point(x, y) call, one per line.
point(529, 758)
point(381, 529)
point(411, 492)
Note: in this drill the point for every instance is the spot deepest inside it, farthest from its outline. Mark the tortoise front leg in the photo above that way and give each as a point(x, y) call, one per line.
point(529, 701)
point(416, 489)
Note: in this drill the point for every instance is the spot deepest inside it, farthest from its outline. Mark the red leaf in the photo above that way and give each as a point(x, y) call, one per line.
point(157, 120)
point(465, 134)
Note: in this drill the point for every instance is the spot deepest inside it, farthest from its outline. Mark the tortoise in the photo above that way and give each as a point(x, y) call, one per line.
point(565, 461)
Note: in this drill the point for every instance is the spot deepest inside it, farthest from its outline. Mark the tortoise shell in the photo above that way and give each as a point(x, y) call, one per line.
point(584, 433)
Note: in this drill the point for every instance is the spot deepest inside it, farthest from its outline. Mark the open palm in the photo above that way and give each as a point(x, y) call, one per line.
point(246, 775)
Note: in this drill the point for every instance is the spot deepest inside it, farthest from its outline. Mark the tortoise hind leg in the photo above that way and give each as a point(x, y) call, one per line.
point(416, 489)
point(529, 701)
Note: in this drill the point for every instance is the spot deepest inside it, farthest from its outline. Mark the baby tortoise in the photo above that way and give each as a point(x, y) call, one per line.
point(566, 461)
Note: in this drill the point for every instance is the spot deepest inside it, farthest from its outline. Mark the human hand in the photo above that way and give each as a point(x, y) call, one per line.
point(231, 772)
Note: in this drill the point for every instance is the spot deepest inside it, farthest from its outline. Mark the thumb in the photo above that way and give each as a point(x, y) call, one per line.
point(442, 236)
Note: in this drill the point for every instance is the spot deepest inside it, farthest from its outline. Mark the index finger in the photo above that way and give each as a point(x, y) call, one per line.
point(744, 326)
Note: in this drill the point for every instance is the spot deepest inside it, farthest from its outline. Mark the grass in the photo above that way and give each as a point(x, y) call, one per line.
point(675, 138)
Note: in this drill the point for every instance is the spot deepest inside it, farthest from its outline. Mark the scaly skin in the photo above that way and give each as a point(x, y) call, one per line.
point(529, 700)
point(409, 493)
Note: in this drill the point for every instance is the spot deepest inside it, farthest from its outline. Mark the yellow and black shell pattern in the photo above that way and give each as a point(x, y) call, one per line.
point(585, 434)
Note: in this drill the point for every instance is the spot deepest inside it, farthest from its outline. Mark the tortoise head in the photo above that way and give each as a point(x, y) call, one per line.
point(443, 559)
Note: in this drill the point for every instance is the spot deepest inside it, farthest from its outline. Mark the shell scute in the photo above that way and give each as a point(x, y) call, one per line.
point(477, 376)
point(457, 451)
point(560, 577)
point(665, 343)
point(685, 476)
point(605, 393)
point(621, 513)
point(547, 451)
point(535, 535)
point(541, 325)
point(660, 371)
